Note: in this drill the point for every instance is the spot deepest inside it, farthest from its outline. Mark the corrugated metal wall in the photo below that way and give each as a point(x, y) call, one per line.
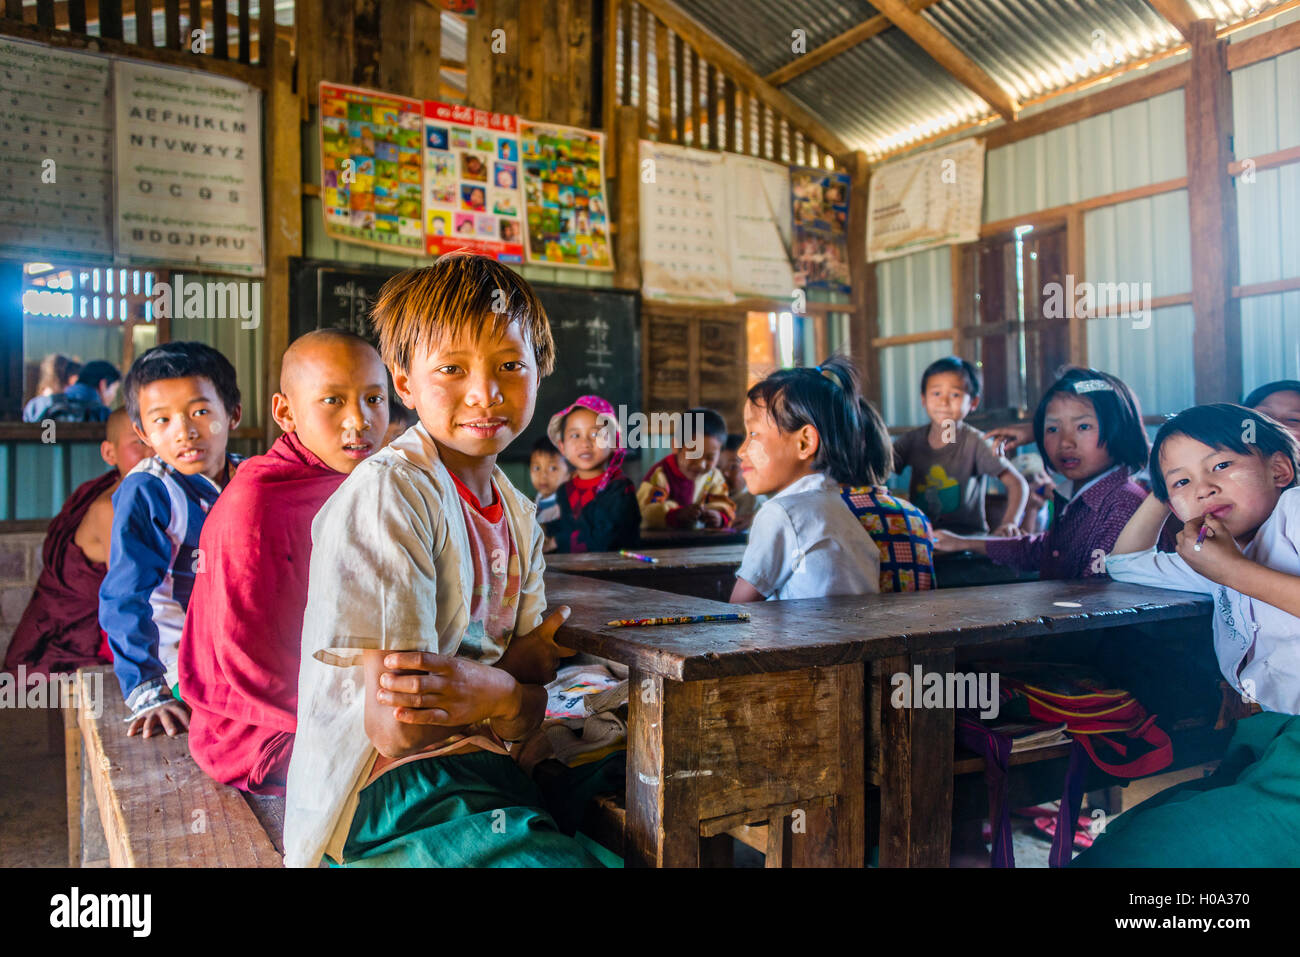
point(914, 295)
point(1266, 119)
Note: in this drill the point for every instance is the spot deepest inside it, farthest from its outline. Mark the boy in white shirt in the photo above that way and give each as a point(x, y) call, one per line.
point(424, 649)
point(1230, 475)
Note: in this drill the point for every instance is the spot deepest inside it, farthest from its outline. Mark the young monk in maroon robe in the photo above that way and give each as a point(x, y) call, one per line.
point(240, 648)
point(59, 631)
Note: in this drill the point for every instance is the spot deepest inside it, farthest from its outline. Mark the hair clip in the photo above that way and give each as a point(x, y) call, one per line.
point(1093, 385)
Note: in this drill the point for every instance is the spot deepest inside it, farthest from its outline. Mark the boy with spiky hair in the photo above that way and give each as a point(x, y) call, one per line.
point(424, 652)
point(183, 400)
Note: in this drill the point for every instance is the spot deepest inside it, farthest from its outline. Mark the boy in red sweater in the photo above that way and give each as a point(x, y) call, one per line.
point(243, 631)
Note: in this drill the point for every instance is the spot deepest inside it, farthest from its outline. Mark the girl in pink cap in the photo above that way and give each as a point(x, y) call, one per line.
point(598, 510)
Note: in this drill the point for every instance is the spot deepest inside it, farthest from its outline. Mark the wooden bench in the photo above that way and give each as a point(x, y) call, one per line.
point(136, 802)
point(744, 724)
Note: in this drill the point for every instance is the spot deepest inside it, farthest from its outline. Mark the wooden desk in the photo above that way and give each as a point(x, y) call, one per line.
point(739, 723)
point(704, 572)
point(689, 538)
point(967, 569)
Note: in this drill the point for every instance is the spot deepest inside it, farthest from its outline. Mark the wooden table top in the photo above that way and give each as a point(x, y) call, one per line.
point(704, 557)
point(817, 632)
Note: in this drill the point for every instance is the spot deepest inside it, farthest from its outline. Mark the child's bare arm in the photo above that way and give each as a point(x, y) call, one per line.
point(1017, 493)
point(533, 658)
point(743, 591)
point(392, 737)
point(1143, 529)
point(945, 541)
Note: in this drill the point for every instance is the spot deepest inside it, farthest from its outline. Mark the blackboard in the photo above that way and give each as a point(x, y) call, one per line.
point(597, 334)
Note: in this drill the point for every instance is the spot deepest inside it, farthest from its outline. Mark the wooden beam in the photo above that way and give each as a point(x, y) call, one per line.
point(836, 45)
point(478, 58)
point(945, 53)
point(863, 321)
point(1179, 13)
point(734, 65)
point(505, 65)
point(283, 163)
point(679, 88)
point(1075, 261)
point(1275, 42)
point(1111, 98)
point(581, 76)
point(609, 82)
point(532, 65)
point(1212, 207)
point(663, 74)
point(627, 241)
point(643, 71)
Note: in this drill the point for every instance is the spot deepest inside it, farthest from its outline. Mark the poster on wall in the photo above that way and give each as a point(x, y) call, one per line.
point(758, 226)
point(683, 225)
point(465, 8)
point(934, 199)
point(189, 168)
point(564, 195)
point(819, 203)
point(371, 160)
point(56, 153)
point(472, 196)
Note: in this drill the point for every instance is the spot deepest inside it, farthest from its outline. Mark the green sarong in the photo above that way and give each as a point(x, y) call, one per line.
point(469, 810)
point(1246, 814)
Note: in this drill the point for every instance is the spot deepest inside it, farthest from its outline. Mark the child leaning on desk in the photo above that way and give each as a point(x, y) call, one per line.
point(1229, 475)
point(424, 649)
point(804, 438)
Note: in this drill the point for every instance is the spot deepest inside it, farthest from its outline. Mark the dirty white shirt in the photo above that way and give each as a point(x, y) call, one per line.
point(390, 569)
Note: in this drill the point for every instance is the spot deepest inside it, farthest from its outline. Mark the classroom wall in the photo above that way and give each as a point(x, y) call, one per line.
point(914, 294)
point(1268, 214)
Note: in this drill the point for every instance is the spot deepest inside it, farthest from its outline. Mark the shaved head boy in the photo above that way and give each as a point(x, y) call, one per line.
point(240, 652)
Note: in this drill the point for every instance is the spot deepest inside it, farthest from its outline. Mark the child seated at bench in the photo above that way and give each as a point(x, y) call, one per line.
point(240, 648)
point(424, 652)
point(59, 630)
point(804, 439)
point(1278, 400)
point(183, 399)
point(1088, 426)
point(685, 489)
point(1229, 475)
point(598, 510)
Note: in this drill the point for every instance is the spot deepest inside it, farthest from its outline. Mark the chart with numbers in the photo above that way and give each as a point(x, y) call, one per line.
point(56, 152)
point(684, 250)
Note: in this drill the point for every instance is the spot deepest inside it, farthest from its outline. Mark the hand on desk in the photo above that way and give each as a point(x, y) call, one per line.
point(712, 517)
point(945, 541)
point(533, 658)
point(171, 716)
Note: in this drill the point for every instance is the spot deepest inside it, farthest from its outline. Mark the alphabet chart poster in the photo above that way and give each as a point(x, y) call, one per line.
point(934, 199)
point(371, 159)
point(820, 210)
point(683, 225)
point(564, 191)
point(189, 168)
point(472, 198)
point(56, 153)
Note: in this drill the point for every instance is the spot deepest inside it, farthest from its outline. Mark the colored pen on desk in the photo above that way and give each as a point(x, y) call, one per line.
point(638, 556)
point(1200, 538)
point(675, 620)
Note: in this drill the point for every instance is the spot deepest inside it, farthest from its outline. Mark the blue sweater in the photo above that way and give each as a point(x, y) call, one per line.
point(158, 513)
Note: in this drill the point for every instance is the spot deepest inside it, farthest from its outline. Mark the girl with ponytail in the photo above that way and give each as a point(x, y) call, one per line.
point(804, 438)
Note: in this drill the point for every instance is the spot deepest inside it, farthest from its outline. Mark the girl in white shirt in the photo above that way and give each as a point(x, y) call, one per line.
point(1229, 474)
point(804, 438)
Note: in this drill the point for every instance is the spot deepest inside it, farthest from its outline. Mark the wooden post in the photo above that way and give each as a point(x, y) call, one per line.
point(627, 242)
point(1213, 219)
point(505, 65)
point(609, 82)
point(579, 53)
point(1075, 263)
point(643, 69)
point(283, 158)
point(663, 73)
point(532, 68)
point(555, 33)
point(679, 90)
point(478, 58)
point(711, 98)
point(862, 279)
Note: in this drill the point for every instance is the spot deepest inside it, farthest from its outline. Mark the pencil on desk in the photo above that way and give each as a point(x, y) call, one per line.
point(675, 620)
point(638, 556)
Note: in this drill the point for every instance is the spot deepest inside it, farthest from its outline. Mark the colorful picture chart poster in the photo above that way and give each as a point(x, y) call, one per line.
point(934, 199)
point(758, 221)
point(189, 168)
point(56, 153)
point(820, 211)
point(371, 158)
point(564, 194)
point(472, 197)
point(683, 225)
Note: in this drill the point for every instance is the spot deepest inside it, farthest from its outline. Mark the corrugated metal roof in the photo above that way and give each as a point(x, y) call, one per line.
point(886, 92)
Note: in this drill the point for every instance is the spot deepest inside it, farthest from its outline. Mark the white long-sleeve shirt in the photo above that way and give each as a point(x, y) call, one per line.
point(1247, 630)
